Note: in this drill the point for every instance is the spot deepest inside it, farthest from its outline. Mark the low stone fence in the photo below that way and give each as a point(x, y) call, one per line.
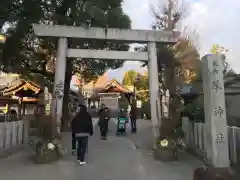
point(13, 136)
point(194, 135)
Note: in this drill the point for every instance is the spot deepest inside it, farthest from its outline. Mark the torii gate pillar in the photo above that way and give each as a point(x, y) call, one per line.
point(58, 88)
point(154, 88)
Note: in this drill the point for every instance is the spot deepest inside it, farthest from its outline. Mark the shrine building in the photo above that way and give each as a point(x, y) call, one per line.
point(105, 91)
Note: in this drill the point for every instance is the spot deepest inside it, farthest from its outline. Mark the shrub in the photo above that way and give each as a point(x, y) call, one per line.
point(47, 148)
point(46, 152)
point(194, 112)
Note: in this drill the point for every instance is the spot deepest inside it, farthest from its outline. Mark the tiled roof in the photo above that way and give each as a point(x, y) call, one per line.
point(101, 82)
point(20, 84)
point(115, 84)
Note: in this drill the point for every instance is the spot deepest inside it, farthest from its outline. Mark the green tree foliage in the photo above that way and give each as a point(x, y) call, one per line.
point(135, 78)
point(227, 70)
point(34, 57)
point(140, 81)
point(129, 78)
point(221, 50)
point(23, 43)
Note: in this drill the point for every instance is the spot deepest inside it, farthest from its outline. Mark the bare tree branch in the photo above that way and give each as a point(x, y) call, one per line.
point(168, 15)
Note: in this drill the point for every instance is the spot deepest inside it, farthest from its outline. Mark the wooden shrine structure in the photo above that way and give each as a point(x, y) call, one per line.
point(113, 95)
point(17, 92)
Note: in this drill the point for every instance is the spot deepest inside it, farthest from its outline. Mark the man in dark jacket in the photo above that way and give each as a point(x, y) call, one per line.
point(103, 122)
point(82, 127)
point(133, 118)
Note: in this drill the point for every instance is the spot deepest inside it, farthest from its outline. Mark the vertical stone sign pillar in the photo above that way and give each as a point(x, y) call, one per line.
point(59, 78)
point(154, 88)
point(215, 112)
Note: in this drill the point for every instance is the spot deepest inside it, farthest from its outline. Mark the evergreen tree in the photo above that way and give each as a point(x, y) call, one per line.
point(130, 78)
point(31, 57)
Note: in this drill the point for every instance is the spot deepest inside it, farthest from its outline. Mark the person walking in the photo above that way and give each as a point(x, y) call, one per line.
point(74, 142)
point(82, 127)
point(103, 122)
point(122, 123)
point(133, 119)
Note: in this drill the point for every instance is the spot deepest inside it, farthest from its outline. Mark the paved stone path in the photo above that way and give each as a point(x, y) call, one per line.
point(114, 159)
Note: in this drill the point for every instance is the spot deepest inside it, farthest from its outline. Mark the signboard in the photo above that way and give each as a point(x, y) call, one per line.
point(139, 104)
point(110, 102)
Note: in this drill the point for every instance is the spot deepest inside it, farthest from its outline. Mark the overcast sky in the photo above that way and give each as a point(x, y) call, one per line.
point(215, 21)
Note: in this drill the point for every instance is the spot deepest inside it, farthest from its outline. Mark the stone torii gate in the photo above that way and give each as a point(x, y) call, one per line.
point(150, 37)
